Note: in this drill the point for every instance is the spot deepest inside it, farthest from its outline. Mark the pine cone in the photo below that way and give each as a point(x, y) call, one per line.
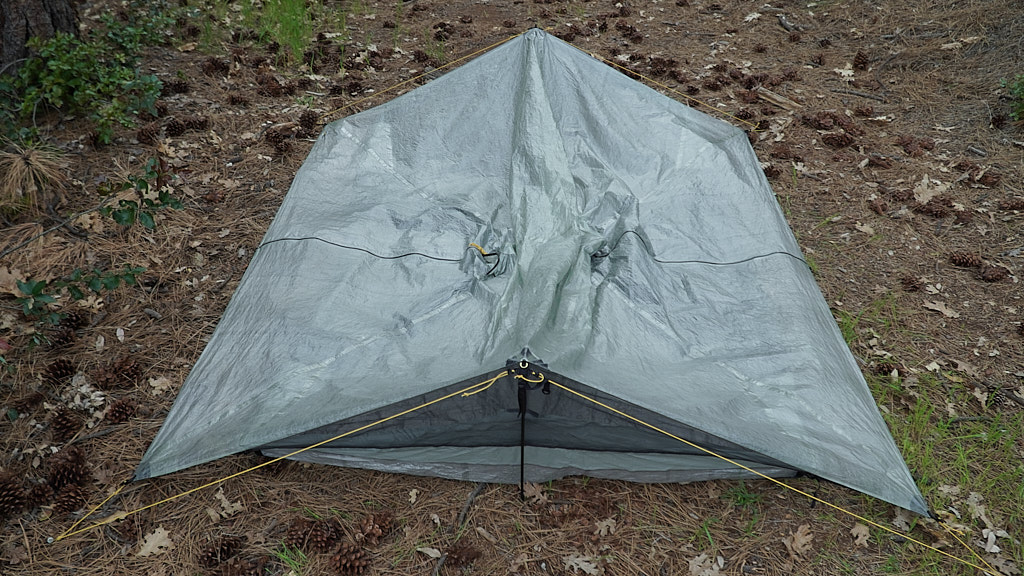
point(59, 372)
point(196, 122)
point(322, 536)
point(62, 337)
point(176, 86)
point(122, 372)
point(121, 410)
point(1012, 204)
point(67, 467)
point(38, 493)
point(64, 424)
point(309, 120)
point(298, 533)
point(27, 402)
point(861, 61)
point(994, 274)
point(214, 65)
point(462, 554)
point(236, 99)
point(838, 139)
point(75, 320)
point(245, 567)
point(350, 559)
point(12, 496)
point(128, 370)
point(374, 527)
point(105, 377)
point(148, 133)
point(69, 499)
point(887, 368)
point(269, 85)
point(175, 128)
point(220, 551)
point(965, 259)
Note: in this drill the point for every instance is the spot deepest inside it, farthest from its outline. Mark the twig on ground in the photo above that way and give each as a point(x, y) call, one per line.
point(970, 419)
point(469, 502)
point(440, 562)
point(858, 93)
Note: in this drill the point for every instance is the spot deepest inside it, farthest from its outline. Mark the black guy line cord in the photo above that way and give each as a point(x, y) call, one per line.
point(489, 272)
point(708, 262)
point(375, 255)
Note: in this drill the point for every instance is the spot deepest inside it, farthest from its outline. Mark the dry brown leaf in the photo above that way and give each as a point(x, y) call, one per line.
point(160, 385)
point(799, 543)
point(865, 228)
point(432, 552)
point(902, 520)
point(605, 527)
point(941, 307)
point(227, 507)
point(860, 534)
point(486, 535)
point(156, 543)
point(520, 561)
point(587, 564)
point(1004, 565)
point(965, 368)
point(927, 189)
point(704, 566)
point(535, 493)
point(981, 395)
point(9, 279)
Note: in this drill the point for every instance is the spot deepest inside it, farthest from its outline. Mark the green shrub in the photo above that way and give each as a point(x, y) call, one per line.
point(95, 76)
point(86, 77)
point(1016, 89)
point(152, 194)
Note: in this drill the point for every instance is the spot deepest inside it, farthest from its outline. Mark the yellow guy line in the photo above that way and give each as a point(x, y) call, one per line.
point(330, 113)
point(766, 477)
point(484, 384)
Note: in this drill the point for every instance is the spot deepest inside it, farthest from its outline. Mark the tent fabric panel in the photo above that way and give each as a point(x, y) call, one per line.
point(501, 464)
point(490, 418)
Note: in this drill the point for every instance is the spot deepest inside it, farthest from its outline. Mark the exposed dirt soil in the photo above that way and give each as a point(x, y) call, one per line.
point(886, 136)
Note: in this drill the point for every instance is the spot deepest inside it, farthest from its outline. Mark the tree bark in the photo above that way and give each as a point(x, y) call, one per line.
point(24, 19)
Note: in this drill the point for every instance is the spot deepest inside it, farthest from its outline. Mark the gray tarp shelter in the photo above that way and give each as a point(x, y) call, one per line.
point(636, 251)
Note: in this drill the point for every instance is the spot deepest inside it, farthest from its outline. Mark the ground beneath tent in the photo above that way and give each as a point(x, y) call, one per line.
point(882, 127)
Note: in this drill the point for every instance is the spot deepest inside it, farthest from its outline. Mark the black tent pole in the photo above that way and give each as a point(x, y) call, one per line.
point(522, 440)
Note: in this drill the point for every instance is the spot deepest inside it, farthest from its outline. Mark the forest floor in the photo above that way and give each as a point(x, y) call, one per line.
point(884, 131)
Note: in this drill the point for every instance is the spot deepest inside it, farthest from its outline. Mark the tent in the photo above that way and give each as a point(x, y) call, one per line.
point(617, 257)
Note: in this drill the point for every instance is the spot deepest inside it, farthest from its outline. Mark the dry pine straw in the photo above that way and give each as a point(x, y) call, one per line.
point(656, 527)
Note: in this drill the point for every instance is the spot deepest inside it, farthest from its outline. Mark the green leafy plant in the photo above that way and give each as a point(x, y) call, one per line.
point(89, 77)
point(38, 295)
point(1016, 89)
point(36, 301)
point(152, 193)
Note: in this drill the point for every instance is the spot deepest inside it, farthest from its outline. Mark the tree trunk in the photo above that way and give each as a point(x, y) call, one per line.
point(24, 19)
